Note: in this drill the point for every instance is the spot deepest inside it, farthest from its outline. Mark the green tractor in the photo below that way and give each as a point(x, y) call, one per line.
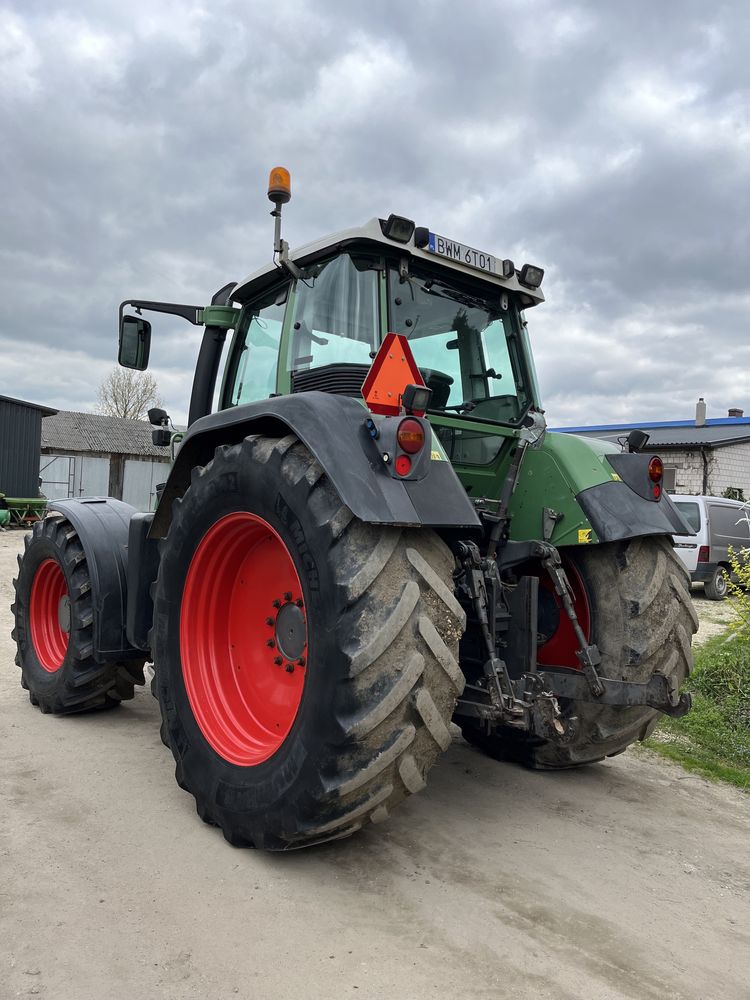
point(367, 534)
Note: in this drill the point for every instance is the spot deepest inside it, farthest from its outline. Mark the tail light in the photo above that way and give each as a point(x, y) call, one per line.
point(656, 474)
point(403, 465)
point(703, 553)
point(656, 469)
point(410, 436)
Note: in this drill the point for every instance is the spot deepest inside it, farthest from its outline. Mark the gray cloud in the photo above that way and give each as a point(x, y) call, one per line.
point(608, 143)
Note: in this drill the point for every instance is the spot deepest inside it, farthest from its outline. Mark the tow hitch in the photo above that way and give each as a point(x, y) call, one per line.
point(531, 701)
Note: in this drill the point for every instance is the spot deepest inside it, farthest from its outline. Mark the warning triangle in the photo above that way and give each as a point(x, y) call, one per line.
point(392, 370)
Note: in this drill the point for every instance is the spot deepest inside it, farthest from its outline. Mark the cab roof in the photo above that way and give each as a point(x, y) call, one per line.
point(371, 235)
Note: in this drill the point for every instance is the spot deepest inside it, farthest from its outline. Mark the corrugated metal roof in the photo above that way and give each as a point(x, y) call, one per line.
point(674, 433)
point(68, 431)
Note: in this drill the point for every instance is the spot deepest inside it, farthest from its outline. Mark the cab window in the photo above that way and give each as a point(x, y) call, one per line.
point(255, 352)
point(336, 317)
point(464, 343)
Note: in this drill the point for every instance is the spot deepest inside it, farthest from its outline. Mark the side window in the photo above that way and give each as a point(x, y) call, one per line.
point(255, 353)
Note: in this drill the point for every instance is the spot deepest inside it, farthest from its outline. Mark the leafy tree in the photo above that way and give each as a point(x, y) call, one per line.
point(128, 393)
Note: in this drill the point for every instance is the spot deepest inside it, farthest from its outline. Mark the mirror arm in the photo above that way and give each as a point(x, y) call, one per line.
point(191, 313)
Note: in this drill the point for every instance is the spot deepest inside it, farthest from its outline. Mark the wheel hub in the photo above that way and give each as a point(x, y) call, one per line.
point(291, 631)
point(63, 613)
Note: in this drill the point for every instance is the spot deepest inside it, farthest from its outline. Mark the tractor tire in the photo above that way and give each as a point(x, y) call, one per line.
point(641, 616)
point(717, 588)
point(305, 662)
point(54, 627)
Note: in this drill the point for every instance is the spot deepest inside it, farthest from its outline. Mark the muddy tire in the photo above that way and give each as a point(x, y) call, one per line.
point(54, 627)
point(717, 588)
point(364, 615)
point(642, 619)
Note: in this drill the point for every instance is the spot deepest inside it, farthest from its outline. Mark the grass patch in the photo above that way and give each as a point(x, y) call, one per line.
point(714, 738)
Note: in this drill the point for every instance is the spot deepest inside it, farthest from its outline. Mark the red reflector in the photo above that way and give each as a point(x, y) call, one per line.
point(703, 553)
point(656, 469)
point(403, 465)
point(410, 435)
point(656, 491)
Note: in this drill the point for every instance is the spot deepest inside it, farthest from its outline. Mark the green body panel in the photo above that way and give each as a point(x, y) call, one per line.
point(224, 317)
point(552, 475)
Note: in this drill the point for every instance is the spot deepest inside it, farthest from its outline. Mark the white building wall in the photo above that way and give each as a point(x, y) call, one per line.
point(731, 468)
point(139, 482)
point(727, 466)
point(65, 476)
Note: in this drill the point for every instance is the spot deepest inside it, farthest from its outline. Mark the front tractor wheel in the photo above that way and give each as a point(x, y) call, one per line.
point(633, 600)
point(54, 627)
point(306, 663)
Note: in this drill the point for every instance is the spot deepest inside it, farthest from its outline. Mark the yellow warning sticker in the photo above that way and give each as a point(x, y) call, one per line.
point(616, 477)
point(436, 456)
point(584, 536)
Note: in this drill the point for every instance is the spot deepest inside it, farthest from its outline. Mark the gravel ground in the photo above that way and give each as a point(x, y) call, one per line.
point(714, 616)
point(629, 879)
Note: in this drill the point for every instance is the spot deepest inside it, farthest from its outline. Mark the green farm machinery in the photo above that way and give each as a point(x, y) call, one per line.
point(367, 535)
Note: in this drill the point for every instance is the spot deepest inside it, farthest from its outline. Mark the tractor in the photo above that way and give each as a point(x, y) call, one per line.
point(367, 538)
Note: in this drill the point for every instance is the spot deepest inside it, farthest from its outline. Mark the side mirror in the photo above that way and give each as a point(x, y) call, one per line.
point(135, 342)
point(157, 416)
point(637, 440)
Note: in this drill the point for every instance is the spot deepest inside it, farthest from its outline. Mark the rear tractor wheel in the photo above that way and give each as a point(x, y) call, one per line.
point(306, 663)
point(633, 600)
point(54, 627)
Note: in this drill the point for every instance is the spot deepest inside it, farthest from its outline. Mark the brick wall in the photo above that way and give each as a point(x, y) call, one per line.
point(727, 466)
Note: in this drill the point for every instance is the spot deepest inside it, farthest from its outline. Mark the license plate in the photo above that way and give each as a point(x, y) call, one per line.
point(459, 252)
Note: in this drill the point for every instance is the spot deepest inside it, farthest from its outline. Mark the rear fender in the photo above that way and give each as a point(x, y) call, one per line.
point(102, 525)
point(334, 429)
point(582, 493)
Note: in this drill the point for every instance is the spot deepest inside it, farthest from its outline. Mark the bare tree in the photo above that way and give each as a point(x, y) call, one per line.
point(127, 393)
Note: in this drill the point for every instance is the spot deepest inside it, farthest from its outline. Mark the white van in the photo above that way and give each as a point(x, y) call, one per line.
point(718, 524)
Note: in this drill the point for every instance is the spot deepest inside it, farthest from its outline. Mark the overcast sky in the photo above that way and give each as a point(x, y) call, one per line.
point(606, 142)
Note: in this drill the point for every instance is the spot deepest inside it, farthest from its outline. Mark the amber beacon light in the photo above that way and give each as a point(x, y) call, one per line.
point(279, 185)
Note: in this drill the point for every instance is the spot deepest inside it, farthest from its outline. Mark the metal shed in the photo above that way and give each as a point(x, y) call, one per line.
point(89, 454)
point(20, 438)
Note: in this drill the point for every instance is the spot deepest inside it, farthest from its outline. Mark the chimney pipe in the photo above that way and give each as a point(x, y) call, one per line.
point(700, 413)
point(735, 411)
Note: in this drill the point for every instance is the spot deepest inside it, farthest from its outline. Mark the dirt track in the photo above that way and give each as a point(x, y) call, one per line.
point(629, 879)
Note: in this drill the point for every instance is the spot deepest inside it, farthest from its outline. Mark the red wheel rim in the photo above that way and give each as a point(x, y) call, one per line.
point(242, 612)
point(559, 650)
point(49, 639)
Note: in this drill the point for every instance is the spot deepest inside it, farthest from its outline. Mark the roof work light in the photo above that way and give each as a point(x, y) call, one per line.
point(397, 228)
point(531, 276)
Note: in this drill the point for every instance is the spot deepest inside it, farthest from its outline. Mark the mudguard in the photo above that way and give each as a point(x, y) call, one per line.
point(102, 524)
point(617, 512)
point(333, 428)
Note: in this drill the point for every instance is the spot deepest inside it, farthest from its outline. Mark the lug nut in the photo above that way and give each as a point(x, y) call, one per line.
point(289, 668)
point(288, 595)
point(299, 602)
point(278, 661)
point(270, 642)
point(277, 604)
point(301, 661)
point(269, 621)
